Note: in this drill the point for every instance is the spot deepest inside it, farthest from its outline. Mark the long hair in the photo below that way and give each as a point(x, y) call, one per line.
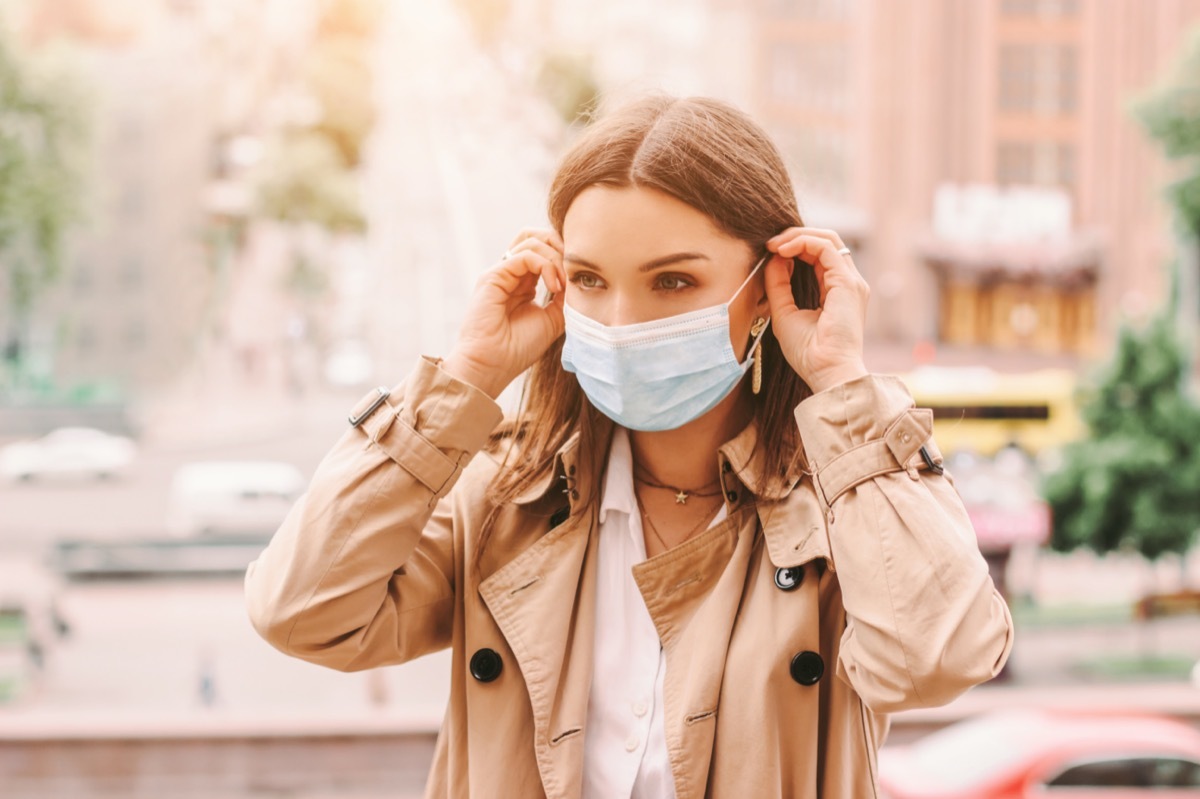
point(713, 157)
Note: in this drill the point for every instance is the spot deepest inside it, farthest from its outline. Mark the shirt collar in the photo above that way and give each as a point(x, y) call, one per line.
point(618, 477)
point(741, 452)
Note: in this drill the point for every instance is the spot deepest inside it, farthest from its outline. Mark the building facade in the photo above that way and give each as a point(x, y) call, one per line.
point(883, 107)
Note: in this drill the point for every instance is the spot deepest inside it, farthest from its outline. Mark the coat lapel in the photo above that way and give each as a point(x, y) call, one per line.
point(693, 594)
point(544, 603)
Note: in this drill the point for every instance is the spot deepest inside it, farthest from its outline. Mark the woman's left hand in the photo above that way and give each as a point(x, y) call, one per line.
point(824, 345)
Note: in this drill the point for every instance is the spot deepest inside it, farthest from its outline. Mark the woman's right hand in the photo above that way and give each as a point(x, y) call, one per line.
point(505, 330)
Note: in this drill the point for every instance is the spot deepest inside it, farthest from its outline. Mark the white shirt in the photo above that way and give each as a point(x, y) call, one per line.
point(625, 748)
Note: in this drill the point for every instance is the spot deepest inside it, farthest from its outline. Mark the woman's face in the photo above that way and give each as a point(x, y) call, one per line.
point(638, 254)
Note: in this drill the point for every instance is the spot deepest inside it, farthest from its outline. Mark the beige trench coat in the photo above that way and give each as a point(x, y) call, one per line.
point(791, 629)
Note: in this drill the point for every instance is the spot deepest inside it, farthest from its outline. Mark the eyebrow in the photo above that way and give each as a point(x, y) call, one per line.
point(649, 266)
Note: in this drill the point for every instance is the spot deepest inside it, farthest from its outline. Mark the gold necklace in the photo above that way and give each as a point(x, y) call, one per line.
point(681, 494)
point(654, 530)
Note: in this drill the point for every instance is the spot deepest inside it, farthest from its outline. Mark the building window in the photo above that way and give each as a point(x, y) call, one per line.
point(1039, 8)
point(1039, 79)
point(1037, 163)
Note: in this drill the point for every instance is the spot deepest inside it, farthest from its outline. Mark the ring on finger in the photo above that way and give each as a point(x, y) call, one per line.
point(844, 251)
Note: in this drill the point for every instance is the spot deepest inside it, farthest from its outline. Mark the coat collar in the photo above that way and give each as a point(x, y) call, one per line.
point(740, 452)
point(794, 531)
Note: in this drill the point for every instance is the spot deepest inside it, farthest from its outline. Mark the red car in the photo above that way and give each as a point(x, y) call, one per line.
point(1023, 754)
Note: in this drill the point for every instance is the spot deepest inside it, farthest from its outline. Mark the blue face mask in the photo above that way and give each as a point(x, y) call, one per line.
point(656, 375)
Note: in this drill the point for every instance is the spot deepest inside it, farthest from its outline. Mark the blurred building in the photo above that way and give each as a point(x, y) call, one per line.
point(171, 83)
point(683, 46)
point(978, 156)
point(935, 118)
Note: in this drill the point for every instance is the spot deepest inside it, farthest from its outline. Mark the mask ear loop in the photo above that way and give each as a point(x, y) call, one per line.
point(758, 338)
point(746, 282)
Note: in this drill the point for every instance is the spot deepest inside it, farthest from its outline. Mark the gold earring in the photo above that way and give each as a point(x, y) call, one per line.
point(757, 355)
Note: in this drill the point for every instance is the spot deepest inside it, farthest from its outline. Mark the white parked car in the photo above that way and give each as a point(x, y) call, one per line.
point(232, 497)
point(68, 452)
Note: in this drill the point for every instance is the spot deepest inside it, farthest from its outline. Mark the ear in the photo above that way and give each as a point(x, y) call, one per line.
point(762, 305)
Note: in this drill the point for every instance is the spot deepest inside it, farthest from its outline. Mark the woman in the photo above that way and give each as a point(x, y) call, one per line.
point(663, 578)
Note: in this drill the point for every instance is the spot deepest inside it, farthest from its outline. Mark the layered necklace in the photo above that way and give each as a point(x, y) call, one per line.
point(644, 477)
point(682, 495)
point(654, 530)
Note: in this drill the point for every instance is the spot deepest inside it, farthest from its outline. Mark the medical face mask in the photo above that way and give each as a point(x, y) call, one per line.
point(656, 375)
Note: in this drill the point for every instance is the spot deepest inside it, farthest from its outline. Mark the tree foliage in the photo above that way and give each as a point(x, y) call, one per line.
point(1134, 482)
point(1171, 115)
point(305, 180)
point(310, 173)
point(569, 84)
point(42, 137)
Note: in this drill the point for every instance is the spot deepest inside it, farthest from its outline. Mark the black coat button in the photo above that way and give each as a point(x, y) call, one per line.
point(559, 516)
point(731, 496)
point(789, 579)
point(486, 665)
point(807, 668)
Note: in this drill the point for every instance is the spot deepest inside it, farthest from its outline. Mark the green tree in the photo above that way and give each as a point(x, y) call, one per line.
point(569, 84)
point(1170, 112)
point(43, 133)
point(304, 179)
point(1134, 482)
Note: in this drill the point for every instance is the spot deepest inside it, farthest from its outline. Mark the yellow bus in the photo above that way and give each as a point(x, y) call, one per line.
point(979, 409)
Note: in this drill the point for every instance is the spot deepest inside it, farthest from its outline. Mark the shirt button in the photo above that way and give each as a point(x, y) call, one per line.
point(631, 743)
point(639, 708)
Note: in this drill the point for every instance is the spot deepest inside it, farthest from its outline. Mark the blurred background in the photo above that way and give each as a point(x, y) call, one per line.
point(222, 221)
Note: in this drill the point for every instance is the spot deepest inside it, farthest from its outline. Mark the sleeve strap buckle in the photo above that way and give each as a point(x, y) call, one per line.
point(358, 417)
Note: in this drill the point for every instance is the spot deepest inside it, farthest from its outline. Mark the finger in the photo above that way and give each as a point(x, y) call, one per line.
point(778, 283)
point(520, 272)
point(832, 267)
point(554, 309)
point(546, 251)
point(793, 232)
point(545, 235)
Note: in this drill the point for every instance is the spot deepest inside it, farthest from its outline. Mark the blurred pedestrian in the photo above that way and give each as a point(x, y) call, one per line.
point(662, 577)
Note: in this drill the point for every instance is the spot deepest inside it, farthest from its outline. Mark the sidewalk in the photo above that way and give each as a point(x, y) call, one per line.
point(180, 658)
point(165, 688)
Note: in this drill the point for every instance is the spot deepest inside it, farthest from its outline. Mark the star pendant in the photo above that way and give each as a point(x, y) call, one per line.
point(681, 498)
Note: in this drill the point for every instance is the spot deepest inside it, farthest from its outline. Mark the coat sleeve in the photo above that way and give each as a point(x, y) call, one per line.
point(361, 572)
point(924, 621)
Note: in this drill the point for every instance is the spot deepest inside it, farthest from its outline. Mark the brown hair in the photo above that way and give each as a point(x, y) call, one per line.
point(713, 157)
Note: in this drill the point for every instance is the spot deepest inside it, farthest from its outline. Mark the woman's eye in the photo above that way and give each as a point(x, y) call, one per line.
point(673, 283)
point(586, 280)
